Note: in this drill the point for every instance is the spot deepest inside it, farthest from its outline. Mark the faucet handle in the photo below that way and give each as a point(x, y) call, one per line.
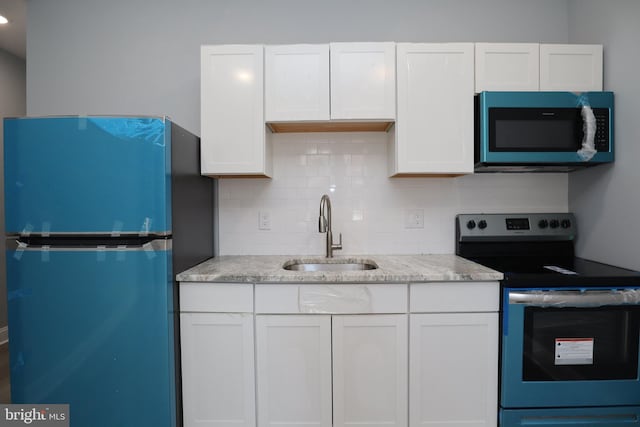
point(339, 245)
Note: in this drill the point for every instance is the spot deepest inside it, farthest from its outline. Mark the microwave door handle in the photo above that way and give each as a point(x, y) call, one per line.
point(575, 298)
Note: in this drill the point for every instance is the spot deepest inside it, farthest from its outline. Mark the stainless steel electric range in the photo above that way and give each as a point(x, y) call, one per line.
point(570, 327)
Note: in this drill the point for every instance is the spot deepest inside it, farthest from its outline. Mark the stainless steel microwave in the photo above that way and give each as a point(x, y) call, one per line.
point(543, 131)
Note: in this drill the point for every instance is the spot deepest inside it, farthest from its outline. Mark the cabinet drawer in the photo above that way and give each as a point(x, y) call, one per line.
point(439, 297)
point(216, 297)
point(330, 299)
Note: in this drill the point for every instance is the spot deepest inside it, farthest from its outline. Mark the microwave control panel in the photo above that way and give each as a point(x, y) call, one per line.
point(601, 141)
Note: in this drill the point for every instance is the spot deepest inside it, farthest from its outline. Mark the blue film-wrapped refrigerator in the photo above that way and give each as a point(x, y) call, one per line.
point(101, 212)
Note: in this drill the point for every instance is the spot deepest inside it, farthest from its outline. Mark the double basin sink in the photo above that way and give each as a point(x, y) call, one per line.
point(330, 264)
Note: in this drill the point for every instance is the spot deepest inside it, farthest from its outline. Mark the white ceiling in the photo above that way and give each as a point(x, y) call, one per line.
point(13, 36)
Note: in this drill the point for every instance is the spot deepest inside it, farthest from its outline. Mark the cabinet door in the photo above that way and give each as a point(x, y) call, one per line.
point(507, 66)
point(218, 369)
point(370, 370)
point(435, 109)
point(453, 374)
point(571, 67)
point(232, 117)
point(363, 81)
point(296, 82)
point(293, 370)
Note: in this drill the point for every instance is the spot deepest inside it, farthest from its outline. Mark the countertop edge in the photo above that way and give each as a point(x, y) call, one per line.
point(268, 269)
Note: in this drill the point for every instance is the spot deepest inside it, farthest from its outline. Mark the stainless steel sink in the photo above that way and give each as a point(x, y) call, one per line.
point(330, 265)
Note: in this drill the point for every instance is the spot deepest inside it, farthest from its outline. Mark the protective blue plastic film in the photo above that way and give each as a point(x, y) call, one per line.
point(89, 175)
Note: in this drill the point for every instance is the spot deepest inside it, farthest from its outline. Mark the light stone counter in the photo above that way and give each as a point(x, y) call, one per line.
point(391, 268)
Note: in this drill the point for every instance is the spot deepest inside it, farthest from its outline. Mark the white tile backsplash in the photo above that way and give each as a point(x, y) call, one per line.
point(368, 207)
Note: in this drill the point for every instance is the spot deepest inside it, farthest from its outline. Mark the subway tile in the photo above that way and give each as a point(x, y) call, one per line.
point(354, 166)
point(318, 182)
point(318, 160)
point(325, 148)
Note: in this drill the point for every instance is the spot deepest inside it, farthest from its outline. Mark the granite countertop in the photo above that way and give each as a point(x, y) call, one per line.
point(391, 268)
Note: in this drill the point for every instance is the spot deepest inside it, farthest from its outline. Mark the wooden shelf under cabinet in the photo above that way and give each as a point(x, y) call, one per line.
point(295, 127)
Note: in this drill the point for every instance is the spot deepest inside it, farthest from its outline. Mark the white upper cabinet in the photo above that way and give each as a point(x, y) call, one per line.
point(233, 136)
point(533, 67)
point(249, 92)
point(570, 67)
point(434, 126)
point(363, 81)
point(339, 81)
point(507, 67)
point(297, 82)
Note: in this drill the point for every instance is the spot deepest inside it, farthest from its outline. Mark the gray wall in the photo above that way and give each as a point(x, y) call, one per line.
point(143, 56)
point(12, 103)
point(606, 199)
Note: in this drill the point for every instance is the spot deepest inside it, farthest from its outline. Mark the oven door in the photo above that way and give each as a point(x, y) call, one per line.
point(570, 348)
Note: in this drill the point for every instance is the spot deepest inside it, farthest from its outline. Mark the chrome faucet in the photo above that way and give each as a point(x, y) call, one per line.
point(324, 225)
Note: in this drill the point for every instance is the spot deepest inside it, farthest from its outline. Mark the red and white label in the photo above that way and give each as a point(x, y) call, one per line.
point(574, 351)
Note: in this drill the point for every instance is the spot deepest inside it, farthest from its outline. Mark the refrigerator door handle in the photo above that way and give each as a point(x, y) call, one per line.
point(17, 245)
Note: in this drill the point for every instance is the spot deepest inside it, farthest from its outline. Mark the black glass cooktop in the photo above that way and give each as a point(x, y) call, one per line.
point(546, 271)
point(534, 250)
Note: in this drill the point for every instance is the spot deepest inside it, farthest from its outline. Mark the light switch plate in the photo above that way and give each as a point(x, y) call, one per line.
point(414, 218)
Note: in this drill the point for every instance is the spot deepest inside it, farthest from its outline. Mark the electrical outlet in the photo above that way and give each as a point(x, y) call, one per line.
point(414, 218)
point(264, 220)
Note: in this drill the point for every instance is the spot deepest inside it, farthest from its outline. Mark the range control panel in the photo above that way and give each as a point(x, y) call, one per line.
point(538, 226)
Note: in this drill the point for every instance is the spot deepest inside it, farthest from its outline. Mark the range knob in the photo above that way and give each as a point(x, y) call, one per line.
point(543, 223)
point(565, 223)
point(471, 224)
point(554, 223)
point(482, 224)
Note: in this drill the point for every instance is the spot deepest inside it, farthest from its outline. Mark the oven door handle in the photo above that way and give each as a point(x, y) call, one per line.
point(595, 298)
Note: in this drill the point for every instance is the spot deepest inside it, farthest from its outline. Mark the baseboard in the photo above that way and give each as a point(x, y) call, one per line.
point(4, 335)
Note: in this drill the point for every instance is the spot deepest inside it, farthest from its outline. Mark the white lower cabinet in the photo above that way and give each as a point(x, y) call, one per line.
point(453, 369)
point(218, 369)
point(299, 356)
point(293, 355)
point(370, 370)
point(350, 355)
